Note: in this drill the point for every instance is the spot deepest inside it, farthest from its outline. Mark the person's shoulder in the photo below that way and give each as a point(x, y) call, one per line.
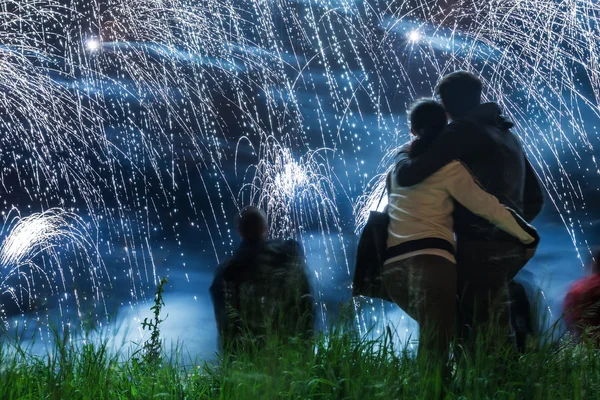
point(222, 273)
point(403, 151)
point(284, 245)
point(590, 284)
point(463, 127)
point(291, 246)
point(225, 265)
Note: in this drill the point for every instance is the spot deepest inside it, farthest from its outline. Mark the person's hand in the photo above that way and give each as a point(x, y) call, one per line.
point(529, 241)
point(531, 248)
point(534, 240)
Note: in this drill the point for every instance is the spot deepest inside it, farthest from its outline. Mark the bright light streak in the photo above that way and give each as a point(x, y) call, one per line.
point(414, 36)
point(93, 44)
point(298, 79)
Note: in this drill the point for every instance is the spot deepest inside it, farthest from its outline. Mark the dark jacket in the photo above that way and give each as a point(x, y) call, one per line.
point(263, 287)
point(484, 142)
point(520, 314)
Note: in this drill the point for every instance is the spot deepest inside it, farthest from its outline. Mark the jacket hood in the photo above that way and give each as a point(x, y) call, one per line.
point(490, 114)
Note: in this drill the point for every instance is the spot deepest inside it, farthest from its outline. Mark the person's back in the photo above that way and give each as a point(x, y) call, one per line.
point(262, 279)
point(262, 289)
point(421, 213)
point(499, 166)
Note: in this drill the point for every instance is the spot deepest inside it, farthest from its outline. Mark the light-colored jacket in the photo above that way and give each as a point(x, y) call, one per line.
point(421, 215)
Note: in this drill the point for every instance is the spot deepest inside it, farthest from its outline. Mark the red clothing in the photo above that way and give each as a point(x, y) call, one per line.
point(582, 305)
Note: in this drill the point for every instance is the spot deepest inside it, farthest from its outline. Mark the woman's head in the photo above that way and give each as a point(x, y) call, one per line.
point(427, 120)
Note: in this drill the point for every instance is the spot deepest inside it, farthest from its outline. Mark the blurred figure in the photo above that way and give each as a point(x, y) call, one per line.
point(582, 305)
point(262, 289)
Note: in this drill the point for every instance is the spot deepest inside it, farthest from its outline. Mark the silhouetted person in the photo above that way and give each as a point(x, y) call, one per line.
point(582, 305)
point(262, 289)
point(420, 267)
point(480, 137)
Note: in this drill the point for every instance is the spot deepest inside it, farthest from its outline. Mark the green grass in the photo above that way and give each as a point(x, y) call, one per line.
point(340, 366)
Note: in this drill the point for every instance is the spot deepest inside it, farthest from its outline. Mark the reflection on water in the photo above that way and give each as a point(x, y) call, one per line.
point(179, 121)
point(190, 320)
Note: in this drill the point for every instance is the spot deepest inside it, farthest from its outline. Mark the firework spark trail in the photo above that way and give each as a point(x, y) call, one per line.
point(108, 104)
point(289, 188)
point(31, 250)
point(532, 49)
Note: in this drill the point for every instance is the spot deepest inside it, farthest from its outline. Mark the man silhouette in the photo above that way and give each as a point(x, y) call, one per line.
point(262, 289)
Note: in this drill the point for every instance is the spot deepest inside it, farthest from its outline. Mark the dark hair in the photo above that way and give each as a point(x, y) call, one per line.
point(251, 223)
point(427, 120)
point(460, 92)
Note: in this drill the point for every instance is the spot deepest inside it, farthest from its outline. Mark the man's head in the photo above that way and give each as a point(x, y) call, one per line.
point(459, 92)
point(251, 224)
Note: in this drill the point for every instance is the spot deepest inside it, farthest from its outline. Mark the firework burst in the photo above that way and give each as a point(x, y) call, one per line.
point(42, 255)
point(126, 111)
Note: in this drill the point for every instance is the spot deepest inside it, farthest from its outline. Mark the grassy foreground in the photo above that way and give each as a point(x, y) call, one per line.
point(341, 366)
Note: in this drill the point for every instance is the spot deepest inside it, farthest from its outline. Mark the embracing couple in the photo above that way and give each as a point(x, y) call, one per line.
point(460, 200)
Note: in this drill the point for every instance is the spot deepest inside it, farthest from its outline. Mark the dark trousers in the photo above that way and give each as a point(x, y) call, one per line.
point(424, 287)
point(484, 269)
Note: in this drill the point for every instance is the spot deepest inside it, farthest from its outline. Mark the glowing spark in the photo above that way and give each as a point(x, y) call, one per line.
point(414, 36)
point(125, 137)
point(93, 44)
